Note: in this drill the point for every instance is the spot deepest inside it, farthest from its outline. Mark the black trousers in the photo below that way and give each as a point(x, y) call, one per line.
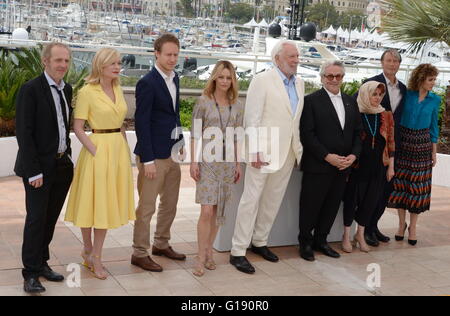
point(43, 209)
point(388, 187)
point(362, 197)
point(320, 200)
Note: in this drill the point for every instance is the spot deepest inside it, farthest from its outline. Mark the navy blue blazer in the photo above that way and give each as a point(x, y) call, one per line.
point(386, 103)
point(155, 118)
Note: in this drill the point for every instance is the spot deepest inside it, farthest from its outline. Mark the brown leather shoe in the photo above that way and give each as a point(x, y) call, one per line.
point(146, 263)
point(169, 253)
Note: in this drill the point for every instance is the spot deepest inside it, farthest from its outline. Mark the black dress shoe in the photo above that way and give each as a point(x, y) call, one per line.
point(51, 275)
point(307, 253)
point(265, 253)
point(379, 235)
point(371, 240)
point(327, 251)
point(242, 264)
point(33, 286)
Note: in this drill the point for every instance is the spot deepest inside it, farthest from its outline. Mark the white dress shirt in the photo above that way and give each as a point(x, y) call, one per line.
point(395, 94)
point(62, 147)
point(338, 104)
point(170, 84)
point(172, 90)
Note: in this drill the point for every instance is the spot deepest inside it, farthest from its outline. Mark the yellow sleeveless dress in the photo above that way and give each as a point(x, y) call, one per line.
point(102, 193)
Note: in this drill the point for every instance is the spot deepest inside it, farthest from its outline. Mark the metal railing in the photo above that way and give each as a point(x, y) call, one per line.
point(213, 56)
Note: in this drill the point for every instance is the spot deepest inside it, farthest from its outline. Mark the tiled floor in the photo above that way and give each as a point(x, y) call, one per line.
point(405, 270)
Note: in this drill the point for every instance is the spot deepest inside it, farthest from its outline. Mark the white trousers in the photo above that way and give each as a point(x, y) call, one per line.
point(259, 206)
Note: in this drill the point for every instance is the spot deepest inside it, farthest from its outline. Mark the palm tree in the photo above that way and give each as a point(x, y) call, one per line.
point(18, 67)
point(418, 21)
point(11, 79)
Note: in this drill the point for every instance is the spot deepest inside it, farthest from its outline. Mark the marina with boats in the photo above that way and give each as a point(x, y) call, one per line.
point(86, 27)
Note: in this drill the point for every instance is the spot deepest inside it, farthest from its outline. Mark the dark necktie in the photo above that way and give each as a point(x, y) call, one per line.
point(62, 106)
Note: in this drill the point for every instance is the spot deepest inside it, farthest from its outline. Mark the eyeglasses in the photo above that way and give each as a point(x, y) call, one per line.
point(331, 77)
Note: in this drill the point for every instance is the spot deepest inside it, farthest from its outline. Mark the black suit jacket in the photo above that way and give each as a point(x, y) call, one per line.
point(386, 103)
point(37, 128)
point(321, 132)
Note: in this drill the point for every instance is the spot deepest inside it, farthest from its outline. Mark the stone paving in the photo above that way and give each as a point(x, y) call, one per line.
point(405, 270)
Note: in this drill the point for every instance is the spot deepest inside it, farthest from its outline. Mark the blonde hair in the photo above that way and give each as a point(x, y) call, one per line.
point(102, 58)
point(233, 92)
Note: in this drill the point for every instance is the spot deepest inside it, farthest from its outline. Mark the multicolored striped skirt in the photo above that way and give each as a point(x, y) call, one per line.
point(414, 166)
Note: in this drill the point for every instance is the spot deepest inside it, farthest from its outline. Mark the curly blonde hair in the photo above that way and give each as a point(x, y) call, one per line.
point(420, 74)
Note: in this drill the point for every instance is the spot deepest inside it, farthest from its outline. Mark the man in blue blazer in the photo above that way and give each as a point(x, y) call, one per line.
point(159, 138)
point(392, 101)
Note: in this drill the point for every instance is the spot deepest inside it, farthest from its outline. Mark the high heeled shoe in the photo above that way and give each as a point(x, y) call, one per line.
point(198, 271)
point(363, 247)
point(210, 265)
point(400, 238)
point(85, 262)
point(347, 247)
point(412, 242)
point(95, 273)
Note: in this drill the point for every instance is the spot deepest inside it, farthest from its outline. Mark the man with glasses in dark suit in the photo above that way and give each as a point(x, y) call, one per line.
point(330, 133)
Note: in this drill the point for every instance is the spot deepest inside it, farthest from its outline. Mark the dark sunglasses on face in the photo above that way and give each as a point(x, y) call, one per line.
point(331, 77)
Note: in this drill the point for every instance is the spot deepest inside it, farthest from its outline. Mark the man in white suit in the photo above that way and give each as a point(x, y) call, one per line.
point(274, 103)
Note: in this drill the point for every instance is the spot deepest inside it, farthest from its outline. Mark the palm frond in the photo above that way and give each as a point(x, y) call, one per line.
point(29, 60)
point(418, 21)
point(11, 79)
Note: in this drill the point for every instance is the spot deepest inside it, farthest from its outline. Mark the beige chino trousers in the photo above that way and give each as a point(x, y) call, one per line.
point(167, 186)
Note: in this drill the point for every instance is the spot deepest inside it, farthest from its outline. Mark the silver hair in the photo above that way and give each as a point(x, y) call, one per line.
point(327, 64)
point(278, 48)
point(394, 53)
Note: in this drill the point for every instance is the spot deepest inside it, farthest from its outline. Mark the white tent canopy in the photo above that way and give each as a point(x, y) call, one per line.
point(345, 35)
point(356, 35)
point(252, 23)
point(330, 31)
point(263, 23)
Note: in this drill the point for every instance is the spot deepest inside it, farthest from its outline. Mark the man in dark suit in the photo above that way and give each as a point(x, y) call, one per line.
point(393, 101)
point(330, 133)
point(43, 110)
point(158, 131)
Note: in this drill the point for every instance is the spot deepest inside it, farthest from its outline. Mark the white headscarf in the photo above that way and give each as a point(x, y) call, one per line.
point(365, 92)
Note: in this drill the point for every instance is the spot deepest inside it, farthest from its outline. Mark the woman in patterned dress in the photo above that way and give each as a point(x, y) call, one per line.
point(417, 152)
point(216, 169)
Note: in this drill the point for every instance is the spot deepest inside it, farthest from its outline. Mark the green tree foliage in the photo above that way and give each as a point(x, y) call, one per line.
point(323, 14)
point(355, 16)
point(188, 9)
point(418, 21)
point(240, 12)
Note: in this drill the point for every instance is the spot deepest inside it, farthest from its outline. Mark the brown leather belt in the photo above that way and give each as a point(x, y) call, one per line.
point(106, 131)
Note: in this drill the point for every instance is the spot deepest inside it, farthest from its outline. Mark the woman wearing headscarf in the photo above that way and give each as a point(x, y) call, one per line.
point(376, 161)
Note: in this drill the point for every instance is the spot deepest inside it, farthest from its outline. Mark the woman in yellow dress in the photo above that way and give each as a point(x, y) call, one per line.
point(102, 193)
